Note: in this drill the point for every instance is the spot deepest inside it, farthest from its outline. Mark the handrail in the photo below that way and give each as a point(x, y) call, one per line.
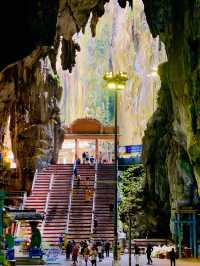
point(24, 200)
point(47, 202)
point(94, 198)
point(70, 198)
point(21, 208)
point(34, 179)
point(70, 204)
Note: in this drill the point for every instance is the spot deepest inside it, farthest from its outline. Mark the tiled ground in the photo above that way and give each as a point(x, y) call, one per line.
point(124, 262)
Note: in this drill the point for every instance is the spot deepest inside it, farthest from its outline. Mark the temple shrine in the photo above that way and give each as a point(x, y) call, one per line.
point(87, 135)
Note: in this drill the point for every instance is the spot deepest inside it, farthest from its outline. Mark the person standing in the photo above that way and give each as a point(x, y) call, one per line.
point(93, 255)
point(107, 248)
point(87, 157)
point(61, 241)
point(148, 252)
point(95, 224)
point(68, 250)
point(99, 248)
point(84, 157)
point(75, 252)
point(172, 256)
point(86, 255)
point(137, 255)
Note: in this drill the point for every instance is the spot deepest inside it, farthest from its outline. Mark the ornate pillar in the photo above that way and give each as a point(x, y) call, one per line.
point(97, 150)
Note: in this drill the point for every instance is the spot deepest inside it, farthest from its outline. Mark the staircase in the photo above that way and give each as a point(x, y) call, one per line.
point(57, 206)
point(81, 212)
point(37, 200)
point(50, 196)
point(104, 197)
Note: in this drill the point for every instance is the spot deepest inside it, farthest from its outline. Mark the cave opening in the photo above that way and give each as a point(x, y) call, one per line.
point(54, 76)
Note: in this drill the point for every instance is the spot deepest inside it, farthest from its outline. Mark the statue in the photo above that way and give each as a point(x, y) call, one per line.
point(36, 235)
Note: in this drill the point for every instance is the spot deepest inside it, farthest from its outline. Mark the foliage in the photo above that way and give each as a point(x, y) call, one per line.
point(137, 204)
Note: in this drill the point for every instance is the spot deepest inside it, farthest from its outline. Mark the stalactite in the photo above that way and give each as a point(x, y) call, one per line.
point(68, 55)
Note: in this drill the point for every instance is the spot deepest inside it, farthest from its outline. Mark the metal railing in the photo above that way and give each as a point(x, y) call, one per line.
point(34, 179)
point(94, 198)
point(70, 202)
point(24, 200)
point(47, 203)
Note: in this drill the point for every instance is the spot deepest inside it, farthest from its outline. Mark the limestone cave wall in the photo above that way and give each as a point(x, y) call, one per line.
point(123, 42)
point(29, 87)
point(172, 139)
point(32, 107)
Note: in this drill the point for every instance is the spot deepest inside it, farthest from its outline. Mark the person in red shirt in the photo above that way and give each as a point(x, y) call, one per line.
point(75, 252)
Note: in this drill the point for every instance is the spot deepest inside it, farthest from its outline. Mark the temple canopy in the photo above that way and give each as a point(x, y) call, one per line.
point(87, 135)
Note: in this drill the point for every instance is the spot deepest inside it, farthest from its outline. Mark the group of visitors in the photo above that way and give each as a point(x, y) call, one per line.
point(86, 182)
point(88, 159)
point(172, 255)
point(87, 250)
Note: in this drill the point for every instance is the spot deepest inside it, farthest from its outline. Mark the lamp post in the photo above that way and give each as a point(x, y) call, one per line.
point(116, 83)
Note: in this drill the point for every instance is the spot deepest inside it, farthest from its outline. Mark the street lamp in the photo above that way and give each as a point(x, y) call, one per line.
point(116, 83)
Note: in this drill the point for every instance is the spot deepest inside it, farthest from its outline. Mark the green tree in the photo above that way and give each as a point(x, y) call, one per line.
point(147, 214)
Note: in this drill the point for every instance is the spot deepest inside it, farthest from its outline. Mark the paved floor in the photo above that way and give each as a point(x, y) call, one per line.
point(124, 262)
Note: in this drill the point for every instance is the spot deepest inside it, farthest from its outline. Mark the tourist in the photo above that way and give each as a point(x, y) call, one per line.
point(107, 248)
point(137, 255)
point(87, 195)
point(87, 157)
point(61, 241)
point(86, 255)
point(172, 256)
point(75, 252)
point(99, 249)
point(148, 252)
point(93, 256)
point(84, 157)
point(103, 249)
point(95, 224)
point(75, 172)
point(68, 250)
point(87, 182)
point(78, 161)
point(92, 160)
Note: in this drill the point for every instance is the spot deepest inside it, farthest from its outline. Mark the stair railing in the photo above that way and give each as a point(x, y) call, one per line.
point(21, 208)
point(34, 180)
point(47, 203)
point(70, 203)
point(24, 200)
point(94, 198)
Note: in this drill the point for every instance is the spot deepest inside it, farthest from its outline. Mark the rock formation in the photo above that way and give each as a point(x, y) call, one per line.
point(29, 94)
point(29, 87)
point(172, 140)
point(123, 42)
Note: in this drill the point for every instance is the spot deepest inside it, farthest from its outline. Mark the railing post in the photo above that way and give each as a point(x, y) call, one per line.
point(94, 197)
point(34, 179)
point(47, 202)
point(24, 200)
point(70, 204)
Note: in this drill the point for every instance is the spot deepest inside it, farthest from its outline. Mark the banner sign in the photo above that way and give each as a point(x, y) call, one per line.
point(130, 149)
point(53, 256)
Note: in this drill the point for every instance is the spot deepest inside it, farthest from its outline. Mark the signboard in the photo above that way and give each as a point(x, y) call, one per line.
point(53, 256)
point(30, 216)
point(130, 149)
